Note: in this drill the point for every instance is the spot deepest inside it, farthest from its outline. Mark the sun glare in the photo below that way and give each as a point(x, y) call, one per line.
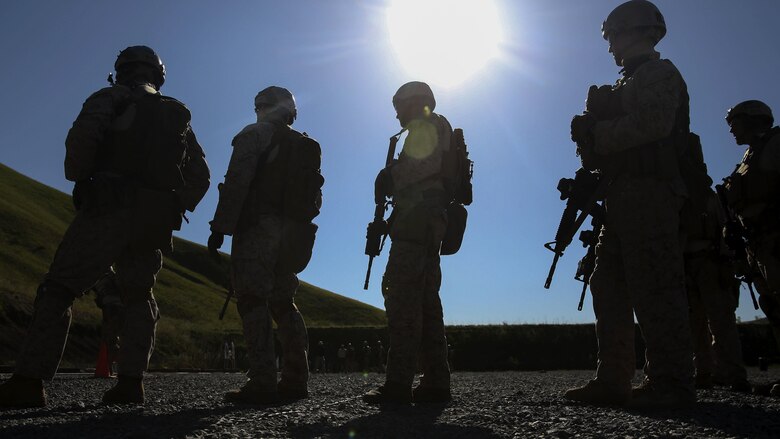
point(444, 41)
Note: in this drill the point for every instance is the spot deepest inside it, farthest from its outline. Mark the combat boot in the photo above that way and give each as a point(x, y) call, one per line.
point(651, 396)
point(252, 393)
point(389, 392)
point(20, 391)
point(290, 392)
point(428, 394)
point(128, 390)
point(597, 393)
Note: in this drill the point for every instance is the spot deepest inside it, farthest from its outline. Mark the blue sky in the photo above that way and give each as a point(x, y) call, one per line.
point(337, 59)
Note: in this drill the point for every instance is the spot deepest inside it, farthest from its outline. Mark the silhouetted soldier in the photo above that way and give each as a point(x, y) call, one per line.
point(639, 266)
point(137, 168)
point(753, 192)
point(270, 194)
point(319, 357)
point(413, 276)
point(713, 297)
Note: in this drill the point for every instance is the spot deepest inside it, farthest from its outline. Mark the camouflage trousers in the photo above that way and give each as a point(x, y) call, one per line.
point(264, 295)
point(410, 287)
point(639, 269)
point(713, 296)
point(91, 245)
point(765, 256)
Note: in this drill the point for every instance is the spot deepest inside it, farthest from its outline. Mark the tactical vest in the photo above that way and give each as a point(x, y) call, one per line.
point(657, 159)
point(139, 166)
point(751, 191)
point(147, 142)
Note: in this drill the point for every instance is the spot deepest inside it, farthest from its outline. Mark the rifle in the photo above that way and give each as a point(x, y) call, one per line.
point(736, 241)
point(378, 229)
point(230, 294)
point(582, 194)
point(587, 264)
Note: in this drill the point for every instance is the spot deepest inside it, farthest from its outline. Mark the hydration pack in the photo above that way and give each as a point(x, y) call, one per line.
point(457, 171)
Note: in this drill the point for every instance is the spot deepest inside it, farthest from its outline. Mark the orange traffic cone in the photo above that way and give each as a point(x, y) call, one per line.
point(102, 368)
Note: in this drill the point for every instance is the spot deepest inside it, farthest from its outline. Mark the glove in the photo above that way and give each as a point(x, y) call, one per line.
point(383, 186)
point(215, 242)
point(582, 128)
point(732, 235)
point(598, 99)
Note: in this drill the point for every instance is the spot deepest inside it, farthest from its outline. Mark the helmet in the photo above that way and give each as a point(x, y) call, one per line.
point(415, 89)
point(143, 55)
point(634, 14)
point(278, 97)
point(753, 109)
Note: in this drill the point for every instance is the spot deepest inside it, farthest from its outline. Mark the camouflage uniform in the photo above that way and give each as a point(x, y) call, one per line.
point(413, 277)
point(99, 237)
point(713, 296)
point(639, 265)
point(262, 292)
point(753, 189)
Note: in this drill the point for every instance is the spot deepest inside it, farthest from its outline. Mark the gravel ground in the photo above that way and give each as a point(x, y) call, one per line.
point(485, 405)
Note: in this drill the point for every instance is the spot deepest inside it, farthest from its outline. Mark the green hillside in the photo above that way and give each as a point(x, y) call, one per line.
point(190, 289)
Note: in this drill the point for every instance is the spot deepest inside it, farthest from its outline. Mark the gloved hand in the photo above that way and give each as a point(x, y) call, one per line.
point(598, 99)
point(383, 186)
point(215, 242)
point(582, 129)
point(732, 235)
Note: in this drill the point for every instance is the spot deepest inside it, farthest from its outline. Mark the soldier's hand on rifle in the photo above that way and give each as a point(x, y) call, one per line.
point(383, 186)
point(582, 129)
point(598, 99)
point(215, 242)
point(732, 234)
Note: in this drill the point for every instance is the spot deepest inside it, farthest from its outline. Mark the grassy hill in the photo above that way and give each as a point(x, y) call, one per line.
point(190, 289)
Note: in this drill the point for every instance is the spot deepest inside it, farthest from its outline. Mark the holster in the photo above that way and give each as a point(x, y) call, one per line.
point(296, 247)
point(456, 228)
point(156, 214)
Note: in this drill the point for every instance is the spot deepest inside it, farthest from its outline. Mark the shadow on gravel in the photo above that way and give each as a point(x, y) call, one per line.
point(395, 421)
point(88, 422)
point(735, 420)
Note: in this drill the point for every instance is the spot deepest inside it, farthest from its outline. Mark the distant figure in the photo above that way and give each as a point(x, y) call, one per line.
point(270, 195)
point(413, 276)
point(341, 358)
point(108, 299)
point(137, 168)
point(319, 357)
point(379, 357)
point(753, 191)
point(713, 297)
point(365, 360)
point(632, 133)
point(351, 358)
point(229, 354)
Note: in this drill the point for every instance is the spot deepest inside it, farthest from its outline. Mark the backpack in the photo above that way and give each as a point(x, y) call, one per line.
point(458, 169)
point(457, 172)
point(301, 202)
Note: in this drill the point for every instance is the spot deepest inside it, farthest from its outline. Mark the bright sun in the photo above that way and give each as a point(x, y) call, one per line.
point(444, 41)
